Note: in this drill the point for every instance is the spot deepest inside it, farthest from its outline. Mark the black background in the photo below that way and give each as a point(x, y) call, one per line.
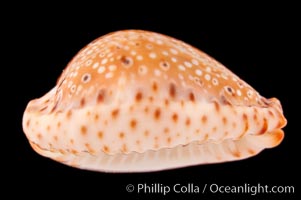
point(252, 42)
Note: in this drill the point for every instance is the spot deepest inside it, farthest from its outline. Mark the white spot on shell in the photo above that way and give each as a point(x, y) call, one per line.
point(127, 61)
point(101, 69)
point(250, 93)
point(240, 84)
point(133, 53)
point(195, 62)
point(198, 81)
point(207, 77)
point(165, 53)
point(238, 92)
point(173, 51)
point(214, 81)
point(173, 59)
point(164, 65)
point(198, 72)
point(152, 55)
point(159, 42)
point(102, 54)
point(75, 74)
point(149, 46)
point(157, 72)
point(109, 75)
point(229, 89)
point(86, 78)
point(95, 65)
point(88, 63)
point(73, 88)
point(112, 67)
point(142, 69)
point(139, 57)
point(69, 84)
point(89, 52)
point(224, 76)
point(151, 39)
point(110, 55)
point(104, 61)
point(187, 64)
point(181, 67)
point(79, 88)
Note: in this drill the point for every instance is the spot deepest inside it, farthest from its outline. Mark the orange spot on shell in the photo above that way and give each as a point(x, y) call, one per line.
point(62, 151)
point(264, 126)
point(224, 119)
point(39, 136)
point(28, 122)
point(166, 130)
point(155, 86)
point(82, 102)
point(73, 151)
point(124, 148)
point(157, 113)
point(271, 113)
point(121, 135)
point(226, 133)
point(246, 122)
point(216, 106)
point(251, 151)
point(278, 136)
point(133, 123)
point(214, 129)
point(191, 96)
point(175, 117)
point(172, 90)
point(83, 130)
point(55, 137)
point(115, 113)
point(89, 148)
point(204, 119)
point(255, 117)
point(151, 99)
point(236, 154)
point(146, 109)
point(138, 96)
point(101, 96)
point(166, 102)
point(69, 114)
point(106, 149)
point(100, 134)
point(187, 122)
point(146, 133)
